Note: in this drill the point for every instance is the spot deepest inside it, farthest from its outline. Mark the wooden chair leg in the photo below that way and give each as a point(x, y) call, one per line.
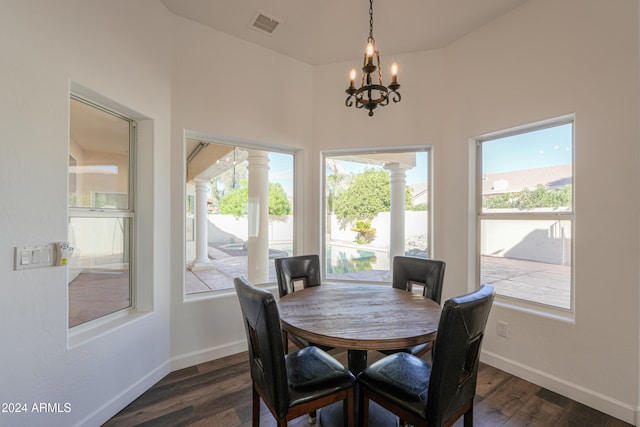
point(468, 418)
point(364, 410)
point(255, 411)
point(349, 409)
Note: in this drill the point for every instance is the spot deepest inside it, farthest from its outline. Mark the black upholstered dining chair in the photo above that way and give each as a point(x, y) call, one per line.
point(428, 273)
point(434, 395)
point(294, 384)
point(294, 269)
point(290, 271)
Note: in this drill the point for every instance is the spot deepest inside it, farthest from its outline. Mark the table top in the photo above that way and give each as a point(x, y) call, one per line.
point(357, 316)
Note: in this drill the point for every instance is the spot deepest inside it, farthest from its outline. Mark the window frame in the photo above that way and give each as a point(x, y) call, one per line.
point(523, 304)
point(324, 154)
point(297, 156)
point(116, 213)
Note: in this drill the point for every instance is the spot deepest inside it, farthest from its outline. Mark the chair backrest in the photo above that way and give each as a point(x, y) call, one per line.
point(429, 273)
point(304, 268)
point(457, 353)
point(264, 338)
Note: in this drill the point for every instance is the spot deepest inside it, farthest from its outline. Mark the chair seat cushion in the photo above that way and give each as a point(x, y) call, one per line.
point(415, 350)
point(313, 373)
point(400, 378)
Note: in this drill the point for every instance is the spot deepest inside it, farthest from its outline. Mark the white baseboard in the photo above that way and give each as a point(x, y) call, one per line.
point(591, 398)
point(207, 354)
point(120, 401)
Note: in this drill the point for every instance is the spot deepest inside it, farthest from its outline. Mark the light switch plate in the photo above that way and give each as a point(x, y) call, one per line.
point(36, 256)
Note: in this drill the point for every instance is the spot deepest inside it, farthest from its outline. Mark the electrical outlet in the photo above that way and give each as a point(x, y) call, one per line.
point(502, 329)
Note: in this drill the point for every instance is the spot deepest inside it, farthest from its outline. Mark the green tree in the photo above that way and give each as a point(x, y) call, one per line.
point(540, 197)
point(236, 202)
point(368, 194)
point(279, 205)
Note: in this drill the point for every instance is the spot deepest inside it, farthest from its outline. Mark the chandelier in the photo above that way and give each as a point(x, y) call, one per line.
point(371, 95)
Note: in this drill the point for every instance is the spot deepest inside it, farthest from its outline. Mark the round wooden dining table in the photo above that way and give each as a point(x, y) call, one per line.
point(358, 318)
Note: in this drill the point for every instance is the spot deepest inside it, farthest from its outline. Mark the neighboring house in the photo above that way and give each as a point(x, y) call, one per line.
point(552, 177)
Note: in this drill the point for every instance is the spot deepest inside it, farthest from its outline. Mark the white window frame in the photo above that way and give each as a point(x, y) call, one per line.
point(142, 284)
point(377, 150)
point(521, 304)
point(128, 213)
point(298, 220)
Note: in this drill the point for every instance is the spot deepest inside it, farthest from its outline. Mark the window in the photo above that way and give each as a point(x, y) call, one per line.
point(101, 211)
point(239, 213)
point(377, 205)
point(526, 213)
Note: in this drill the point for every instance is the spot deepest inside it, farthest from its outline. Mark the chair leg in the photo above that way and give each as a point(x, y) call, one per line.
point(255, 403)
point(468, 418)
point(364, 409)
point(348, 409)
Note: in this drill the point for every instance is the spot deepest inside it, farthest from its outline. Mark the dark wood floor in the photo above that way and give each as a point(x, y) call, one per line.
point(218, 394)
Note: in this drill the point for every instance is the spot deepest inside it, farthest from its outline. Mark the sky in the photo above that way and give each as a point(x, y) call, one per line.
point(281, 169)
point(545, 147)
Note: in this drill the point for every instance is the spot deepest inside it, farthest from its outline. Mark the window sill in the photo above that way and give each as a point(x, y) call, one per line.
point(87, 332)
point(548, 312)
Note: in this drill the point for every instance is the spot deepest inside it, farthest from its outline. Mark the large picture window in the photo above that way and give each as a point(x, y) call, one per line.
point(377, 206)
point(101, 211)
point(239, 213)
point(525, 213)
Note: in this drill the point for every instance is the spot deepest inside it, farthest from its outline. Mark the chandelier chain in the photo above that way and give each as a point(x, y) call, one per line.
point(371, 19)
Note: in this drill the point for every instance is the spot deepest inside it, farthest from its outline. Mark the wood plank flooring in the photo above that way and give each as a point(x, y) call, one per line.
point(218, 394)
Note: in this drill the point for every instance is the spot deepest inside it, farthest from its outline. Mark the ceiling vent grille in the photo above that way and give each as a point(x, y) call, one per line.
point(264, 23)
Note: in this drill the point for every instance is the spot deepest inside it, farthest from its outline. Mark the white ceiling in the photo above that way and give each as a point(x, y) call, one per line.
point(326, 31)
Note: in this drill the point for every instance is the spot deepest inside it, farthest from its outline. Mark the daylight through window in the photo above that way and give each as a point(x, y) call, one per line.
point(526, 214)
point(101, 211)
point(377, 206)
point(239, 214)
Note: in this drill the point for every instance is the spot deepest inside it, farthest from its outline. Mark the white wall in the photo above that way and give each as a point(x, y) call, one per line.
point(119, 50)
point(240, 92)
point(545, 59)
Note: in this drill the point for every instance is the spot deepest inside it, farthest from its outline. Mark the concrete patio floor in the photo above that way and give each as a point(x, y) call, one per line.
point(539, 282)
point(99, 292)
point(542, 283)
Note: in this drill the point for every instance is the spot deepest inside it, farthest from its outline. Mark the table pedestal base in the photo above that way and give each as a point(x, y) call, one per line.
point(331, 416)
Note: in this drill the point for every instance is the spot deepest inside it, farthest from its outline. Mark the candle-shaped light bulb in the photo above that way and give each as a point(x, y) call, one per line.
point(352, 76)
point(370, 49)
point(394, 73)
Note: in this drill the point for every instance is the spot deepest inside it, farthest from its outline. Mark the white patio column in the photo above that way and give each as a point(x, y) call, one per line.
point(202, 226)
point(397, 208)
point(258, 244)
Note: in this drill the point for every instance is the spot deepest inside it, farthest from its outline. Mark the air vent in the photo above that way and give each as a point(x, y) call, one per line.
point(264, 23)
